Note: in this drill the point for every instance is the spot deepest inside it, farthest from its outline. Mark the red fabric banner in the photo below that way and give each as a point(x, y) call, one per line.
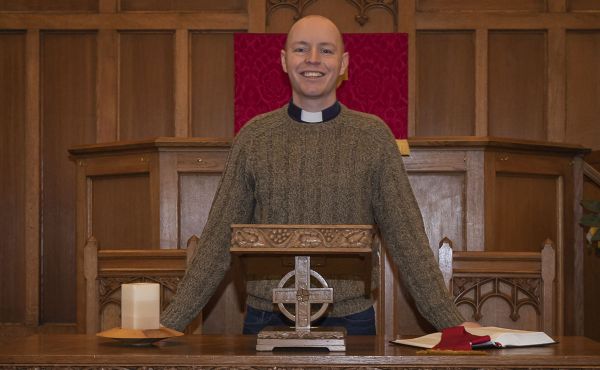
point(377, 77)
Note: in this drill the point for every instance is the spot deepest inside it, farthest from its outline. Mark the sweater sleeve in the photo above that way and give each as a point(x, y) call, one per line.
point(233, 203)
point(399, 219)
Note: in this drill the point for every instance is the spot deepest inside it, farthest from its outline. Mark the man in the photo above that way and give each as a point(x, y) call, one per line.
point(315, 162)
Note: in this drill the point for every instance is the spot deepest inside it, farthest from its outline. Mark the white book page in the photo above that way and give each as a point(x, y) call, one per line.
point(500, 337)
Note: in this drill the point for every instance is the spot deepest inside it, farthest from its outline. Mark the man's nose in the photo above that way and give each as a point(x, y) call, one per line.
point(313, 56)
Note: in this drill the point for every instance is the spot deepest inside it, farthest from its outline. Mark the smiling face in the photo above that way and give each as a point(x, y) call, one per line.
point(314, 58)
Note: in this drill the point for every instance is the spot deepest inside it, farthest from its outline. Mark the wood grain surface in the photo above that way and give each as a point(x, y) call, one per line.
point(238, 351)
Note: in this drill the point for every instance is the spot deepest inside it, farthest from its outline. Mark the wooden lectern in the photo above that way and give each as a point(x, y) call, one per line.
point(335, 249)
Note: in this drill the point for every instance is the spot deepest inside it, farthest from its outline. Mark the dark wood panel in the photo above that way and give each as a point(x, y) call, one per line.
point(445, 83)
point(583, 88)
point(212, 84)
point(517, 84)
point(181, 5)
point(121, 213)
point(591, 275)
point(593, 159)
point(146, 84)
point(12, 179)
point(343, 13)
point(525, 213)
point(45, 5)
point(583, 5)
point(480, 5)
point(68, 79)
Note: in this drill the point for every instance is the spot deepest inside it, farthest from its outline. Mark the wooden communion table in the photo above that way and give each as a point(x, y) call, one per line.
point(208, 351)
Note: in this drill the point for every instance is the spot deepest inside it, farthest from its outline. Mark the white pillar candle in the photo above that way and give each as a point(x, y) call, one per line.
point(140, 306)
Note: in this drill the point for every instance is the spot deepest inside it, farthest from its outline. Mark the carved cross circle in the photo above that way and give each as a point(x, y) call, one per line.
point(302, 295)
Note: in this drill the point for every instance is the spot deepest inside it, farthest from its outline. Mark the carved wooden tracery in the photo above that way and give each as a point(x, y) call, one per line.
point(475, 291)
point(363, 7)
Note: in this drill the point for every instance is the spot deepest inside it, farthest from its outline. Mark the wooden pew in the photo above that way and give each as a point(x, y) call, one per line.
point(106, 270)
point(507, 289)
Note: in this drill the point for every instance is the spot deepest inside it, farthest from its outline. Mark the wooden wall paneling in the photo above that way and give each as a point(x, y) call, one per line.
point(146, 84)
point(591, 269)
point(108, 6)
point(583, 6)
point(481, 82)
point(165, 195)
point(444, 170)
point(475, 201)
point(32, 177)
point(573, 237)
point(441, 198)
point(525, 21)
point(593, 159)
point(531, 185)
point(557, 6)
point(196, 194)
point(529, 198)
point(445, 83)
point(583, 88)
point(141, 21)
point(406, 24)
point(526, 211)
point(121, 211)
point(68, 76)
point(212, 84)
point(107, 86)
point(198, 183)
point(517, 84)
point(257, 16)
point(83, 236)
point(280, 20)
point(345, 14)
point(461, 173)
point(182, 76)
point(49, 6)
point(182, 5)
point(107, 83)
point(224, 312)
point(12, 181)
point(481, 5)
point(556, 85)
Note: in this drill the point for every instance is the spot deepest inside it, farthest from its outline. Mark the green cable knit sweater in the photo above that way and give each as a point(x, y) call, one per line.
point(344, 171)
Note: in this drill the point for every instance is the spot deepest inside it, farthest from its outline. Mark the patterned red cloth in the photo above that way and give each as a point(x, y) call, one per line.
point(377, 77)
point(457, 338)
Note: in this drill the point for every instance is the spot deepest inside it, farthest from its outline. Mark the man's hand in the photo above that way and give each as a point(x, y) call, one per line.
point(471, 324)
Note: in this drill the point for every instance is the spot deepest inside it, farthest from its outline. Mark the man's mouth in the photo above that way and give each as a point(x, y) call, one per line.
point(312, 74)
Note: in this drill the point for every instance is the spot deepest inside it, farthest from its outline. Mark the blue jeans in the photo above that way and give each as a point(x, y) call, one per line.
point(361, 323)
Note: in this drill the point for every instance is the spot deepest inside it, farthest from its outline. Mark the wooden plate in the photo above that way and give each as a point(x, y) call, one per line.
point(138, 337)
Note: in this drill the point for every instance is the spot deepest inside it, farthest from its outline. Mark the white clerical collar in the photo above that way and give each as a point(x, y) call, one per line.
point(327, 114)
point(311, 117)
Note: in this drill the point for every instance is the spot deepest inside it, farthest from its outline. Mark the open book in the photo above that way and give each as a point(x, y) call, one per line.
point(500, 338)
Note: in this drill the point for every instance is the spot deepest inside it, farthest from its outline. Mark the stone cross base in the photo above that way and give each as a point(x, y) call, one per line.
point(334, 339)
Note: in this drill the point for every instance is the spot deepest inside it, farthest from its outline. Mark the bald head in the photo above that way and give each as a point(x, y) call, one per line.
point(317, 22)
point(314, 58)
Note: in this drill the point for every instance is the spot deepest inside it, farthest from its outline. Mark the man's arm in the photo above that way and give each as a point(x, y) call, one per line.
point(233, 203)
point(399, 219)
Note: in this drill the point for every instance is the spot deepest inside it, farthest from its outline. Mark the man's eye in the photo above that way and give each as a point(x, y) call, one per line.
point(326, 51)
point(299, 50)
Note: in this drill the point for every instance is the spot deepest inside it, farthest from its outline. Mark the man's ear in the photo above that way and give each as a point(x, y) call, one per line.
point(345, 61)
point(283, 66)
